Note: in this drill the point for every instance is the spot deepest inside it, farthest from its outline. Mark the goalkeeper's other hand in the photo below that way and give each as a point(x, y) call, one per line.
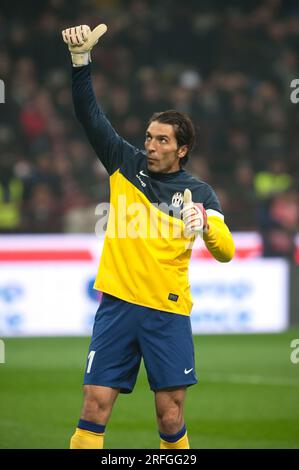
point(194, 216)
point(80, 40)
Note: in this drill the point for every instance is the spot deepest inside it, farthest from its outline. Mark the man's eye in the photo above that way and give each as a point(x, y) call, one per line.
point(147, 137)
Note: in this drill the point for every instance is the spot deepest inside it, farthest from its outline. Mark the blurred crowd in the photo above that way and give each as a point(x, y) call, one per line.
point(228, 64)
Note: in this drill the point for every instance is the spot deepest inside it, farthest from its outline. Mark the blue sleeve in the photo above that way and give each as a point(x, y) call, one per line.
point(211, 200)
point(206, 195)
point(111, 149)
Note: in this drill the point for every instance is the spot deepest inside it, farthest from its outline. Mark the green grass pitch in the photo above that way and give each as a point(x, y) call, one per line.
point(248, 395)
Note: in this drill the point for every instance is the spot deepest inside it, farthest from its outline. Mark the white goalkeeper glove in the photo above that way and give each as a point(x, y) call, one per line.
point(194, 216)
point(80, 41)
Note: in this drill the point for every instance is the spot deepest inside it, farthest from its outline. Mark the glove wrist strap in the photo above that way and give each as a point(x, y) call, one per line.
point(80, 59)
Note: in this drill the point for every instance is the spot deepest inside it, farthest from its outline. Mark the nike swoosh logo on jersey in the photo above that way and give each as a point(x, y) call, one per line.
point(188, 371)
point(143, 174)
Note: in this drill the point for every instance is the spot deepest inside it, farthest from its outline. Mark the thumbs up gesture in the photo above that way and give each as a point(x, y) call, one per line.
point(80, 41)
point(194, 216)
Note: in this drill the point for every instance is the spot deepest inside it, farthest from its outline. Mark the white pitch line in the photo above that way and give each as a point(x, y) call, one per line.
point(248, 379)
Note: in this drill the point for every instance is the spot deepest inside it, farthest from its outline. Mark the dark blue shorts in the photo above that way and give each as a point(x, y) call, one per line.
point(123, 333)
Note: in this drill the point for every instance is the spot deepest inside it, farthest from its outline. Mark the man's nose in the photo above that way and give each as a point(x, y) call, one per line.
point(151, 146)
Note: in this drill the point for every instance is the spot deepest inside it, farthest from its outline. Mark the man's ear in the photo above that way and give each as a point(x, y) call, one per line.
point(183, 150)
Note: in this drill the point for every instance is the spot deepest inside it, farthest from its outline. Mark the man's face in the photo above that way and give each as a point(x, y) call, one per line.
point(163, 153)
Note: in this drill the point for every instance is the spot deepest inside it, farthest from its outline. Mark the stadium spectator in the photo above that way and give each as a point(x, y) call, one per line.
point(41, 211)
point(11, 196)
point(280, 224)
point(274, 179)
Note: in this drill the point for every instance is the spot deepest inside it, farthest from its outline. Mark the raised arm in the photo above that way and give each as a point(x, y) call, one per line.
point(108, 145)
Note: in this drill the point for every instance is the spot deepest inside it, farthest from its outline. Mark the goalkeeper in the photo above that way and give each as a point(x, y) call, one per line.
point(145, 310)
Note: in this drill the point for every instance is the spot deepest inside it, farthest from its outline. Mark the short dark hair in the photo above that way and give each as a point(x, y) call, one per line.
point(183, 128)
